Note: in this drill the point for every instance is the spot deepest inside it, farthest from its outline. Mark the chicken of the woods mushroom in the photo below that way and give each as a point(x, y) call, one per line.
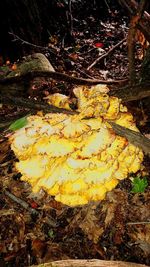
point(77, 158)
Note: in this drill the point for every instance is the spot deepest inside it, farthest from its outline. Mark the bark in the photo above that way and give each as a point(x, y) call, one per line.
point(35, 62)
point(89, 263)
point(133, 137)
point(36, 66)
point(145, 71)
point(132, 92)
point(144, 23)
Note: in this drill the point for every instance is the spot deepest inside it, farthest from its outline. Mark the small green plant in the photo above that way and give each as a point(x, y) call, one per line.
point(20, 123)
point(51, 234)
point(139, 184)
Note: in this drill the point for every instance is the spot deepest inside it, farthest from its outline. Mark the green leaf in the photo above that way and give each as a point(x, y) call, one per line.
point(139, 185)
point(51, 233)
point(20, 123)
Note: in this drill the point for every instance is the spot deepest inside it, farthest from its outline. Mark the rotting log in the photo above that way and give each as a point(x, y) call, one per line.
point(36, 67)
point(132, 92)
point(17, 84)
point(135, 138)
point(10, 81)
point(89, 263)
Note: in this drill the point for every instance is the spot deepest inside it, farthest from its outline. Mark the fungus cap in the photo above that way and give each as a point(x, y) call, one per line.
point(77, 158)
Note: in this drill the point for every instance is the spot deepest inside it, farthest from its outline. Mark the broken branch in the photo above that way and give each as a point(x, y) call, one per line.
point(55, 75)
point(33, 104)
point(24, 42)
point(106, 54)
point(26, 206)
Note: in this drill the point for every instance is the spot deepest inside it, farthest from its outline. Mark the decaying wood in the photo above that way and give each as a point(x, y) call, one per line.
point(33, 68)
point(34, 62)
point(133, 137)
point(55, 75)
point(32, 104)
point(37, 66)
point(89, 263)
point(132, 92)
point(127, 94)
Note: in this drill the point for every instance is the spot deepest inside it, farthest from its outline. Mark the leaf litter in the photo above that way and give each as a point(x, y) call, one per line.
point(117, 228)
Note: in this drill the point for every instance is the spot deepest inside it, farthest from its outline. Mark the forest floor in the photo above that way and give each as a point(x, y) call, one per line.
point(35, 228)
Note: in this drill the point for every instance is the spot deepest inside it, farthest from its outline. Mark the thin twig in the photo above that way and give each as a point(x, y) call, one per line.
point(84, 73)
point(26, 206)
point(135, 223)
point(24, 42)
point(106, 54)
point(21, 202)
point(107, 5)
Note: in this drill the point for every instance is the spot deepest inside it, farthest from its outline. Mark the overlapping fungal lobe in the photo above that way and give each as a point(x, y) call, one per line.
point(77, 158)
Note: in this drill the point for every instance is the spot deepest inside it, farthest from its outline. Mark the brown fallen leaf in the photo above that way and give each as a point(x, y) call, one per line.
point(86, 219)
point(140, 236)
point(39, 248)
point(90, 225)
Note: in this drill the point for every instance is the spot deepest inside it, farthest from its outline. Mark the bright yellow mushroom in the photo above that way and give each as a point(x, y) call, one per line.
point(77, 158)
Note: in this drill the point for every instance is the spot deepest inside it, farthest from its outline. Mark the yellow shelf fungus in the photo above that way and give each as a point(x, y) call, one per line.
point(77, 158)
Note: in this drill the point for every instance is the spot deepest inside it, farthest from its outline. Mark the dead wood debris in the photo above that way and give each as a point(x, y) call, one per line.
point(89, 263)
point(106, 54)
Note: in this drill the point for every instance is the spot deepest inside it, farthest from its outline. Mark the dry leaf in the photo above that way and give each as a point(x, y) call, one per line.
point(38, 247)
point(140, 235)
point(90, 225)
